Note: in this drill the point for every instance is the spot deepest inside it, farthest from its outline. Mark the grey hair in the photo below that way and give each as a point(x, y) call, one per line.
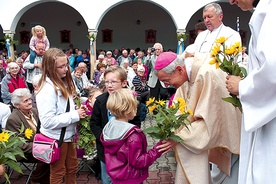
point(10, 65)
point(217, 7)
point(36, 79)
point(179, 61)
point(18, 94)
point(13, 64)
point(158, 44)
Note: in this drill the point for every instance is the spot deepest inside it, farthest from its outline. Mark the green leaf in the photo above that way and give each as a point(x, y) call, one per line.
point(176, 138)
point(7, 177)
point(18, 151)
point(236, 70)
point(22, 129)
point(14, 166)
point(234, 101)
point(183, 36)
point(151, 130)
point(244, 71)
point(10, 156)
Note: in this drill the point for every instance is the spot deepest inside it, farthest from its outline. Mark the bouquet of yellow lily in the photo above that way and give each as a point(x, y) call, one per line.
point(225, 58)
point(10, 143)
point(168, 119)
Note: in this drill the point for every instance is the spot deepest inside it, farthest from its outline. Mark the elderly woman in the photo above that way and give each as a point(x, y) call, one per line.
point(12, 81)
point(109, 56)
point(140, 87)
point(98, 75)
point(79, 82)
point(25, 114)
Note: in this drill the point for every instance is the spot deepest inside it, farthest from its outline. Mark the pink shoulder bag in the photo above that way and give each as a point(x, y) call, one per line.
point(47, 149)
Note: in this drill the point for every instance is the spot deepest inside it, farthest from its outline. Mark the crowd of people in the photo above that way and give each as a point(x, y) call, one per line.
point(34, 94)
point(222, 144)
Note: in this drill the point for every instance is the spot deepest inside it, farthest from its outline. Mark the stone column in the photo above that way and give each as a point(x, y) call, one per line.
point(93, 55)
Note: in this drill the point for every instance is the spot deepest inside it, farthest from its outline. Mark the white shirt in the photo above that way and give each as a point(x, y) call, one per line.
point(4, 114)
point(258, 97)
point(205, 40)
point(31, 70)
point(85, 81)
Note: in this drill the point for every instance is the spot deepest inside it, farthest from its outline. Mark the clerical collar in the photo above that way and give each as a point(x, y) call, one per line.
point(255, 3)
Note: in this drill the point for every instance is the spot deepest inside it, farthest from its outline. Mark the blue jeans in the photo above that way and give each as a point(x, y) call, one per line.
point(104, 176)
point(32, 56)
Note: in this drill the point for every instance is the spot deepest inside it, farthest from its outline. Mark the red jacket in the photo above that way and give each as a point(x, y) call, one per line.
point(127, 160)
point(14, 84)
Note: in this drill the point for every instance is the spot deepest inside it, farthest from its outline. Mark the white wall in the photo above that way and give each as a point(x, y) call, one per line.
point(120, 16)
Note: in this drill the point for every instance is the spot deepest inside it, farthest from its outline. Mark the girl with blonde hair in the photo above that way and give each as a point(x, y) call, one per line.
point(39, 35)
point(125, 145)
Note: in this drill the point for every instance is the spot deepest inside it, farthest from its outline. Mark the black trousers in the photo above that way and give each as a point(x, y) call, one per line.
point(158, 92)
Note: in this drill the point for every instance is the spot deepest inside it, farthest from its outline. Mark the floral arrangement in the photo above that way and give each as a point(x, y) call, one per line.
point(168, 119)
point(92, 37)
point(11, 41)
point(225, 58)
point(85, 138)
point(10, 143)
point(181, 37)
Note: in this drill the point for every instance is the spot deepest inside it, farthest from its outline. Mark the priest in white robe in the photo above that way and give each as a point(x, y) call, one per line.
point(205, 40)
point(257, 93)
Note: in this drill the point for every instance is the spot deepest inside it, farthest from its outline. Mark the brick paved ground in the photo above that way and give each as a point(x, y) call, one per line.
point(161, 172)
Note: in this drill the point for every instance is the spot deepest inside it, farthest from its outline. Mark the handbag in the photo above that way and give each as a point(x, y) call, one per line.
point(47, 149)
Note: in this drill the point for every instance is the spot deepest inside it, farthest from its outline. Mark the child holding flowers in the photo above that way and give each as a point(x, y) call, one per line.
point(126, 156)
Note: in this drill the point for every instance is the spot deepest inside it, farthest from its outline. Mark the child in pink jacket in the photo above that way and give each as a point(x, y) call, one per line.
point(125, 145)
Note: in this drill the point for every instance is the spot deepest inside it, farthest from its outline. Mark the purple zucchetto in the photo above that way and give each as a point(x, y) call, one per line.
point(164, 59)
